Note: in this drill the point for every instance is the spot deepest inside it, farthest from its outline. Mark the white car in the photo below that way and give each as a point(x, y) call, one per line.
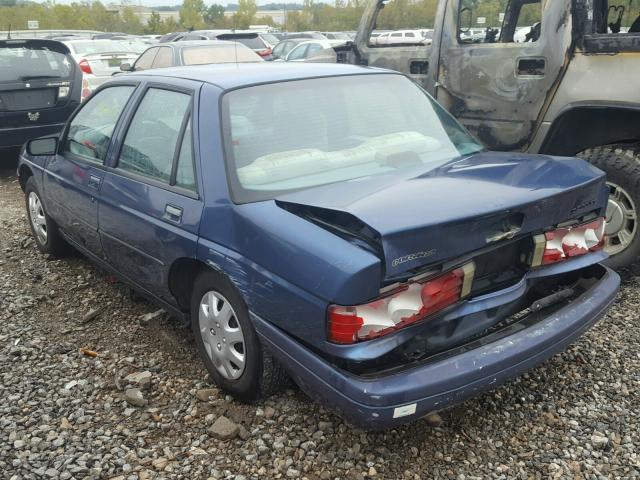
point(100, 59)
point(314, 51)
point(402, 37)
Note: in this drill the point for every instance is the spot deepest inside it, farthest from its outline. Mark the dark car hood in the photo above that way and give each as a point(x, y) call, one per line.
point(455, 209)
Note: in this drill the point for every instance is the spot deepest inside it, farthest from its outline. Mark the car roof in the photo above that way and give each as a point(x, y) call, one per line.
point(195, 43)
point(235, 75)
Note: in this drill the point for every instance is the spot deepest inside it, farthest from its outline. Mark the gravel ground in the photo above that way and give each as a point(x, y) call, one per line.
point(69, 414)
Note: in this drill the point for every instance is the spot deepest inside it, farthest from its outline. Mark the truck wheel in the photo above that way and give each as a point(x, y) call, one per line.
point(621, 163)
point(43, 227)
point(227, 341)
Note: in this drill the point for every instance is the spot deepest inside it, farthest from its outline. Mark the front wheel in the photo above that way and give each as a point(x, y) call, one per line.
point(227, 341)
point(621, 163)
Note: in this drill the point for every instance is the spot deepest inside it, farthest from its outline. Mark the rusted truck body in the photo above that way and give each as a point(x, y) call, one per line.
point(571, 90)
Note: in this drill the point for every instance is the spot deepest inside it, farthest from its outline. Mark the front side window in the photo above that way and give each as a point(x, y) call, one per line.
point(91, 129)
point(146, 59)
point(499, 21)
point(294, 135)
point(298, 53)
point(164, 58)
point(150, 144)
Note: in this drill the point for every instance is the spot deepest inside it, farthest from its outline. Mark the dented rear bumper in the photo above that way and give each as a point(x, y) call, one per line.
point(389, 399)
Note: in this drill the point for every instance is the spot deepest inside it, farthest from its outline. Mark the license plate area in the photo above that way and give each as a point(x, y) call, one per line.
point(501, 267)
point(27, 99)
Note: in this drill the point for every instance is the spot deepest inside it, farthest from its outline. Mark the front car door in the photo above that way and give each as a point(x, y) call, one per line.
point(73, 178)
point(150, 204)
point(391, 49)
point(498, 84)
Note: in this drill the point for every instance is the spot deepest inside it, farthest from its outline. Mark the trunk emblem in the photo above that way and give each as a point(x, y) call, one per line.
point(27, 85)
point(33, 116)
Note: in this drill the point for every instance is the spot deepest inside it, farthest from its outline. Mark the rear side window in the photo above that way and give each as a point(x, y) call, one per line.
point(91, 129)
point(18, 63)
point(150, 144)
point(164, 58)
point(146, 59)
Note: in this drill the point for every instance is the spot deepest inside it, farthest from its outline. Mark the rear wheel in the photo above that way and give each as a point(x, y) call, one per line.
point(227, 341)
point(622, 166)
point(43, 227)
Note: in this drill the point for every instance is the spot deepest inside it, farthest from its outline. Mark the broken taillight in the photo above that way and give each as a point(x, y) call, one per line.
point(405, 305)
point(568, 242)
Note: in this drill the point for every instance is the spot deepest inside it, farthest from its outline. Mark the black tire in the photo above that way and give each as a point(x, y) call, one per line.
point(262, 375)
point(54, 244)
point(621, 163)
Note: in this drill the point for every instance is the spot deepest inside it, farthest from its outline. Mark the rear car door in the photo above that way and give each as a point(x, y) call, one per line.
point(494, 83)
point(150, 204)
point(73, 178)
point(39, 88)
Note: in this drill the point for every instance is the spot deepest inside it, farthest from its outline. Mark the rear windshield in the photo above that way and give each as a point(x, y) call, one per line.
point(294, 135)
point(19, 63)
point(100, 46)
point(253, 43)
point(218, 54)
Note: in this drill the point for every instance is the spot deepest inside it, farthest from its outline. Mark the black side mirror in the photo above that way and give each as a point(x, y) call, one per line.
point(126, 67)
point(42, 146)
point(465, 20)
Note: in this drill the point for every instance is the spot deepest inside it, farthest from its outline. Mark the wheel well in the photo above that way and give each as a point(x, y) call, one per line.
point(23, 175)
point(584, 127)
point(182, 274)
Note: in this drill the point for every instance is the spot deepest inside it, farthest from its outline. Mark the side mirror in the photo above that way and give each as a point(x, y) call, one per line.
point(42, 146)
point(126, 67)
point(465, 20)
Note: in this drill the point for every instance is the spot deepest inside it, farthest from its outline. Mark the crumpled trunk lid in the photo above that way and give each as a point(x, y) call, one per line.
point(462, 207)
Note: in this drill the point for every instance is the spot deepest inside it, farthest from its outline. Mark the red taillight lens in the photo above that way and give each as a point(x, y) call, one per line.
point(564, 243)
point(265, 53)
point(408, 304)
point(84, 66)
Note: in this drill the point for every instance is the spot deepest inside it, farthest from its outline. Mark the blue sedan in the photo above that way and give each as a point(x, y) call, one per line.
point(328, 222)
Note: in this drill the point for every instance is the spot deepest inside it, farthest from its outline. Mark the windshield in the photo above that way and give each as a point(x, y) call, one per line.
point(20, 63)
point(100, 46)
point(219, 54)
point(293, 135)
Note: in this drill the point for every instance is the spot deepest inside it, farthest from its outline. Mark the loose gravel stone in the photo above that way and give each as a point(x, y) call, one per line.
point(575, 416)
point(224, 429)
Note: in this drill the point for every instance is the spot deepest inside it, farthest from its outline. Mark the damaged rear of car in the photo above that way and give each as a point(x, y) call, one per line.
point(409, 269)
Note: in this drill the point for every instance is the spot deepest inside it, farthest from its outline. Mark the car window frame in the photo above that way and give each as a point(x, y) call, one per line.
point(189, 115)
point(65, 132)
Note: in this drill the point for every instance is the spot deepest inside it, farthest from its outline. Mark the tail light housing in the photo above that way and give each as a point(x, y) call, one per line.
point(84, 66)
point(265, 53)
point(567, 242)
point(405, 305)
point(86, 91)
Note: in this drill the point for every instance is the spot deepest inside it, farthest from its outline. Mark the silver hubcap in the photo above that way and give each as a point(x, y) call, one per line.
point(621, 220)
point(222, 335)
point(38, 220)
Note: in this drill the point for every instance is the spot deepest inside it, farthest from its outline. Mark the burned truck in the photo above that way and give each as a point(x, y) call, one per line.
point(558, 77)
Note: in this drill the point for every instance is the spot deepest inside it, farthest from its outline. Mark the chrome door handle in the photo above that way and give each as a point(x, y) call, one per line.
point(173, 214)
point(94, 181)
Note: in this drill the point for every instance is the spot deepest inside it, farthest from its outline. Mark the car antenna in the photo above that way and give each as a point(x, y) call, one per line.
point(9, 33)
point(235, 43)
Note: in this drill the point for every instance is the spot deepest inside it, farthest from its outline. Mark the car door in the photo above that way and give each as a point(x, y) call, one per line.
point(150, 205)
point(73, 177)
point(496, 86)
